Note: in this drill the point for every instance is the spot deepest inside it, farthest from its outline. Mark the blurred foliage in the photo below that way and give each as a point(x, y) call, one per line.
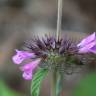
point(6, 91)
point(16, 3)
point(87, 86)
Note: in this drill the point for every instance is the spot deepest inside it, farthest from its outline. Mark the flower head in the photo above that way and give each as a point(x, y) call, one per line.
point(88, 44)
point(46, 53)
point(55, 54)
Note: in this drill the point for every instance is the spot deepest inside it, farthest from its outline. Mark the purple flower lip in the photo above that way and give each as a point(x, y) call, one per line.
point(29, 68)
point(27, 75)
point(87, 40)
point(88, 44)
point(31, 65)
point(87, 48)
point(21, 56)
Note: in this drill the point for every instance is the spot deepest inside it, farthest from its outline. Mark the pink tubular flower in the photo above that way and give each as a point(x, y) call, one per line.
point(21, 56)
point(29, 68)
point(88, 44)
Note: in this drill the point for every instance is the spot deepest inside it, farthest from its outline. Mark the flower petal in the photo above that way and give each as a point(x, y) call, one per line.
point(27, 75)
point(87, 48)
point(87, 40)
point(21, 56)
point(93, 49)
point(30, 66)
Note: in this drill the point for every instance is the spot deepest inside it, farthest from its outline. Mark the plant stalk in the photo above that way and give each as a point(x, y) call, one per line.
point(53, 84)
point(59, 18)
point(56, 83)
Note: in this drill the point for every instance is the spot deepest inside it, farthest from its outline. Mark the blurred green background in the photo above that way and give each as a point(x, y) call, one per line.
point(22, 19)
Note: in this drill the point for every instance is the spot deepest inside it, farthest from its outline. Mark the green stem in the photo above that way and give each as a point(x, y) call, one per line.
point(53, 84)
point(56, 83)
point(59, 83)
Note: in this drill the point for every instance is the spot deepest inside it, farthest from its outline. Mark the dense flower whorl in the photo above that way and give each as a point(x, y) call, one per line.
point(47, 52)
point(55, 54)
point(49, 45)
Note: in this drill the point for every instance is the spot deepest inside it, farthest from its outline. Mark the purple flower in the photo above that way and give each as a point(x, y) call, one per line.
point(29, 68)
point(88, 44)
point(21, 56)
point(48, 50)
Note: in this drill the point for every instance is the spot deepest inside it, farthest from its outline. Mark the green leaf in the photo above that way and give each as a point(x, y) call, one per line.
point(87, 86)
point(37, 80)
point(6, 91)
